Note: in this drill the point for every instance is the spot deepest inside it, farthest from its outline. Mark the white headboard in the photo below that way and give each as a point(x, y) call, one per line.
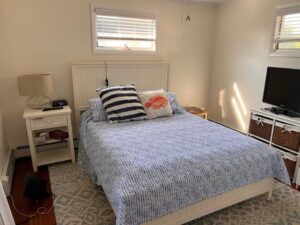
point(88, 76)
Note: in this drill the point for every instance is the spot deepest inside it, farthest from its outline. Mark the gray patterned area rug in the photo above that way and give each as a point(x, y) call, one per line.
point(79, 202)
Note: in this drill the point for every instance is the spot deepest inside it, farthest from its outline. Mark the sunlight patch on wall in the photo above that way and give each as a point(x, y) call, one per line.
point(238, 113)
point(221, 102)
point(239, 98)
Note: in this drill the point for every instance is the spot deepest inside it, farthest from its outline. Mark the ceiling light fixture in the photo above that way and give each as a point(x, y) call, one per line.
point(188, 18)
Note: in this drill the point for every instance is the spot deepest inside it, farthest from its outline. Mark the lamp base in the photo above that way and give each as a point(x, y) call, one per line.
point(38, 102)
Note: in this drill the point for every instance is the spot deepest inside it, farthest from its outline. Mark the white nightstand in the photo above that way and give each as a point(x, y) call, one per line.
point(38, 121)
point(197, 111)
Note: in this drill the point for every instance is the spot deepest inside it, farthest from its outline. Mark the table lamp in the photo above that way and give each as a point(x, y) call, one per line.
point(39, 87)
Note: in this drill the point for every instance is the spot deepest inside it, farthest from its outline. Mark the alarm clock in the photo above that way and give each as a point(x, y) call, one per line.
point(59, 103)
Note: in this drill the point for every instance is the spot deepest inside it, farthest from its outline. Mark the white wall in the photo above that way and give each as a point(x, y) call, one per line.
point(46, 36)
point(243, 36)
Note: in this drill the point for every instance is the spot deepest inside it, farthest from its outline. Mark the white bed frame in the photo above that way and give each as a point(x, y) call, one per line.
point(87, 77)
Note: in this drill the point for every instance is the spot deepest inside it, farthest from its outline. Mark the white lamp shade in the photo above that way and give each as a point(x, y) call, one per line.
point(35, 84)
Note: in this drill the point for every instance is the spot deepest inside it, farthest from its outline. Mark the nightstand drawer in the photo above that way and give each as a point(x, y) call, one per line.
point(48, 122)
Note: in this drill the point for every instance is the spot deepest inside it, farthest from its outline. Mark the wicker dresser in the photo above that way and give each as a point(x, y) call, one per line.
point(282, 133)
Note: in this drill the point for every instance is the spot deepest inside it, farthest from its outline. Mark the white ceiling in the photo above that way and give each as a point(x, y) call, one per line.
point(209, 1)
point(202, 1)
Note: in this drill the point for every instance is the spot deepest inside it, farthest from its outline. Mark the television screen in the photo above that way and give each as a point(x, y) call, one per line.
point(282, 88)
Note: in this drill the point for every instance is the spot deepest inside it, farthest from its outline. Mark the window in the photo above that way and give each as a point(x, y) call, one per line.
point(124, 31)
point(287, 31)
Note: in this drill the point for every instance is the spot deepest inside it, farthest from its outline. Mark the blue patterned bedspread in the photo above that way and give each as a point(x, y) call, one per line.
point(152, 168)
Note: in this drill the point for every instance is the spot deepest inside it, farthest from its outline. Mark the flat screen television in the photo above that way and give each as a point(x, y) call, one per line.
point(282, 89)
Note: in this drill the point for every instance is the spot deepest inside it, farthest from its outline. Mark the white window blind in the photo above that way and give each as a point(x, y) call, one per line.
point(287, 32)
point(125, 31)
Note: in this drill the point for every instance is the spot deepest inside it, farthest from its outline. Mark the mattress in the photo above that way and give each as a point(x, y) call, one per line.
point(152, 168)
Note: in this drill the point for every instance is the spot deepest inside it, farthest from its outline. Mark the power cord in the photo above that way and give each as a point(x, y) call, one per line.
point(40, 211)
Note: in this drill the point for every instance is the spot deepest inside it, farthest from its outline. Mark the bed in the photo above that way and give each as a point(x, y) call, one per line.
point(175, 169)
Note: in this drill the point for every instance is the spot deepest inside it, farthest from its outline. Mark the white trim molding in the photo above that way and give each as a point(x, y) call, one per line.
point(4, 209)
point(282, 10)
point(121, 11)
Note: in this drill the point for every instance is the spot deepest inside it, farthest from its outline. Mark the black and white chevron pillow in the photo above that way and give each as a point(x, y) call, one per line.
point(121, 103)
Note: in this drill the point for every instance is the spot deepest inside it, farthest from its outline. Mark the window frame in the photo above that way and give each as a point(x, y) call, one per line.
point(97, 50)
point(280, 10)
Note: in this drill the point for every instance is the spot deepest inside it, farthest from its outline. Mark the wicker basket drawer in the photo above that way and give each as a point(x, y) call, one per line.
point(290, 165)
point(287, 136)
point(260, 127)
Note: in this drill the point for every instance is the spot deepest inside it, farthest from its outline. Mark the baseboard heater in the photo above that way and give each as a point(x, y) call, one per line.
point(24, 150)
point(8, 172)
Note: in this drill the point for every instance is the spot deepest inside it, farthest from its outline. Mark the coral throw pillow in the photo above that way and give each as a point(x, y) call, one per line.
point(156, 103)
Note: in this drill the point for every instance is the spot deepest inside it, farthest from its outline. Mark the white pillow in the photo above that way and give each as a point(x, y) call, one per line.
point(156, 103)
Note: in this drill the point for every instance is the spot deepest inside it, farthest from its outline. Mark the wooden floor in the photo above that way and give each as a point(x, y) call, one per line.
point(23, 167)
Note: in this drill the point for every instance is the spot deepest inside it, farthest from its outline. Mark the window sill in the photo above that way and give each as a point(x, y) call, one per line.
point(120, 52)
point(287, 54)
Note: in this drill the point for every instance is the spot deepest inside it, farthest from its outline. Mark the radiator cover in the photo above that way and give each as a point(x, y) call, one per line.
point(8, 172)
